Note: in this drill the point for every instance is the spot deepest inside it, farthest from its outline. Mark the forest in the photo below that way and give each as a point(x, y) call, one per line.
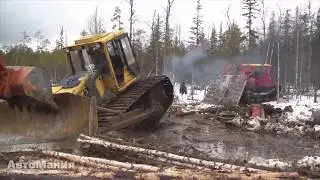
point(290, 41)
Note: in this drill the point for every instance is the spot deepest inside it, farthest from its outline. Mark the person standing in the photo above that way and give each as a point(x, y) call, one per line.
point(183, 88)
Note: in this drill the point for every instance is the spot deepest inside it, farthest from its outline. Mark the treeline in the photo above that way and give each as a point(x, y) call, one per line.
point(290, 38)
point(53, 61)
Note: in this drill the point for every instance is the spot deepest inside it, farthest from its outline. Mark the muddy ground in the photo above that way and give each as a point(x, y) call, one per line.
point(196, 135)
point(193, 135)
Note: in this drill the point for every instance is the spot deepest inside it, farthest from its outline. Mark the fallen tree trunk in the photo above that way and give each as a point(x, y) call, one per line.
point(195, 161)
point(98, 162)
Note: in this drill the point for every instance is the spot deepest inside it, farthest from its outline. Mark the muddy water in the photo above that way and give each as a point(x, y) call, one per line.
point(198, 136)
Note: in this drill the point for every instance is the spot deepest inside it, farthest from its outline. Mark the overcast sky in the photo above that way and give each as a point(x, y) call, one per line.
point(49, 15)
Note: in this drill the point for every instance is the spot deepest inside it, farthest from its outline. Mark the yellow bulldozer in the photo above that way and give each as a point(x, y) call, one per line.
point(104, 70)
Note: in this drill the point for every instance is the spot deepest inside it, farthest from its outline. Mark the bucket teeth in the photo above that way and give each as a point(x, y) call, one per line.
point(31, 105)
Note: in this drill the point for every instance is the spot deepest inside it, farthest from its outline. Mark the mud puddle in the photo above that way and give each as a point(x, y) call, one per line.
point(197, 136)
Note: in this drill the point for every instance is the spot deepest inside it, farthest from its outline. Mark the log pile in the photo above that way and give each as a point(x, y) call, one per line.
point(169, 166)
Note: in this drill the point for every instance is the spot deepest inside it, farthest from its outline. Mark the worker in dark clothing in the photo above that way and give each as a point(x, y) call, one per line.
point(183, 88)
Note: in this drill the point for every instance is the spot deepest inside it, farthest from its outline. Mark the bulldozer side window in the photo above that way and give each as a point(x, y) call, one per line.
point(128, 51)
point(101, 60)
point(98, 58)
point(87, 59)
point(77, 60)
point(116, 60)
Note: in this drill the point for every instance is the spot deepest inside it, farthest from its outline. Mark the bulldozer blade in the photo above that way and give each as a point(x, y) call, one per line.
point(38, 129)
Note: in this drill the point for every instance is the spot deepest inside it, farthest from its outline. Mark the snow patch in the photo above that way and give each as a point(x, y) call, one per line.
point(302, 107)
point(317, 128)
point(312, 162)
point(269, 163)
point(187, 102)
point(309, 162)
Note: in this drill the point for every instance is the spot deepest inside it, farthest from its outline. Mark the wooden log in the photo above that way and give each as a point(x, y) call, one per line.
point(98, 161)
point(189, 160)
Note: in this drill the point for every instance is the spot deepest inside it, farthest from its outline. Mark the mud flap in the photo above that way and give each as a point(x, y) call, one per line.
point(23, 128)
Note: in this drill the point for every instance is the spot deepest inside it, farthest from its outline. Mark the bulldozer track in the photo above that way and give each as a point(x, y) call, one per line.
point(131, 98)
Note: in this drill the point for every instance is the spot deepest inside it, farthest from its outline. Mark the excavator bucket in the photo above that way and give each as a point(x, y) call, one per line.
point(32, 117)
point(29, 86)
point(21, 130)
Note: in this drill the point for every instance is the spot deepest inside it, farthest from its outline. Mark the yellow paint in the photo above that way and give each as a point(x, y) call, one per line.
point(100, 86)
point(97, 38)
point(104, 82)
point(127, 84)
point(78, 90)
point(56, 89)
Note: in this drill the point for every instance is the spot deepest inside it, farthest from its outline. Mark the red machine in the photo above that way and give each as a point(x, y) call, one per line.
point(25, 86)
point(261, 85)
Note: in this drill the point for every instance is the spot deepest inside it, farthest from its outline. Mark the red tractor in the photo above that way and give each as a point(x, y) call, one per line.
point(261, 84)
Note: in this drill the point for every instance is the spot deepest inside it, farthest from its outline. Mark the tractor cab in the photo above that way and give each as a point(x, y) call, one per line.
point(109, 56)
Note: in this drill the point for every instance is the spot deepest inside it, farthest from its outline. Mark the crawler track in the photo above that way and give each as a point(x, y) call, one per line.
point(155, 92)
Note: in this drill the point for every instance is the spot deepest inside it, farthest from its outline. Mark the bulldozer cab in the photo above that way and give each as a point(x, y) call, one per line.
point(111, 55)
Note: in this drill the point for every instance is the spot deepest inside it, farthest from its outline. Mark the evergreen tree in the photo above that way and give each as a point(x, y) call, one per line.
point(117, 19)
point(213, 41)
point(196, 28)
point(251, 8)
point(60, 41)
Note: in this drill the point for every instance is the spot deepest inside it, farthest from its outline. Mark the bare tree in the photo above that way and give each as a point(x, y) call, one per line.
point(297, 48)
point(131, 19)
point(228, 16)
point(25, 38)
point(263, 20)
point(167, 34)
point(45, 44)
point(310, 42)
point(60, 41)
point(278, 62)
point(95, 23)
point(39, 37)
point(155, 42)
